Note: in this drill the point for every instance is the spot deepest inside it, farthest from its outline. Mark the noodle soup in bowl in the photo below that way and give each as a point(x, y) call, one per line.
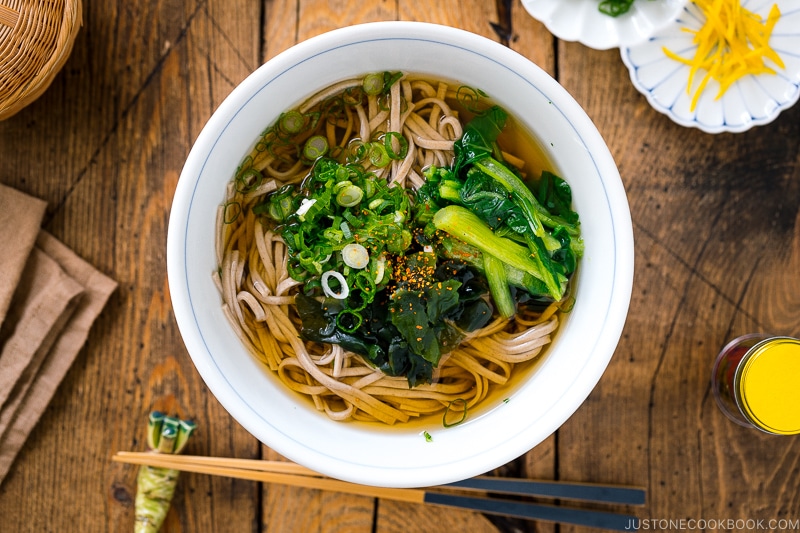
point(540, 395)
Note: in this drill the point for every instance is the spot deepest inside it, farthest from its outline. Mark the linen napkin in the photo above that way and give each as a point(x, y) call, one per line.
point(56, 297)
point(20, 219)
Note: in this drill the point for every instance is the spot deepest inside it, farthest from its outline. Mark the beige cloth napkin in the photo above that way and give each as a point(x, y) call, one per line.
point(20, 219)
point(56, 298)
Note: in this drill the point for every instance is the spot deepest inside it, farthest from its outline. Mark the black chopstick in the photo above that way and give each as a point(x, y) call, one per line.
point(531, 511)
point(555, 489)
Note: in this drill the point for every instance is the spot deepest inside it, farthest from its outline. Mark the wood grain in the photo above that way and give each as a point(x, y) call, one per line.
point(715, 218)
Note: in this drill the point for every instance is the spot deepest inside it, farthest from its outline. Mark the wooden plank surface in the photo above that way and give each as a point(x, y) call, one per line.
point(717, 255)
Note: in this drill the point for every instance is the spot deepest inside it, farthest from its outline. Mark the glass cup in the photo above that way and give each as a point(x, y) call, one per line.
point(756, 382)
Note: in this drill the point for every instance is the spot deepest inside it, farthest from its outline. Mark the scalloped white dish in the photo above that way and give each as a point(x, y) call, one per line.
point(751, 101)
point(581, 20)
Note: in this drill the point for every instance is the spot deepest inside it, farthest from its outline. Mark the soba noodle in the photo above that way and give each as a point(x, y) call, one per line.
point(258, 291)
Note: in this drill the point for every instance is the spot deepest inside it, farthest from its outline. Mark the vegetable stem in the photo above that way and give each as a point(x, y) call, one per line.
point(498, 285)
point(465, 225)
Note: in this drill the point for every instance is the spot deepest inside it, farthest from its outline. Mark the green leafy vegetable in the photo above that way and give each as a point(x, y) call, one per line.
point(615, 8)
point(466, 226)
point(541, 225)
point(498, 285)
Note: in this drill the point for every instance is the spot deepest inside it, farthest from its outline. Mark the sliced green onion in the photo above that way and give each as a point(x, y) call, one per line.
point(390, 78)
point(349, 196)
point(355, 255)
point(352, 96)
point(280, 203)
point(470, 98)
point(333, 108)
point(365, 283)
point(346, 230)
point(341, 185)
point(248, 179)
point(378, 155)
point(357, 150)
point(373, 84)
point(388, 143)
point(357, 301)
point(353, 220)
point(315, 147)
point(380, 269)
point(305, 205)
point(348, 320)
point(292, 122)
point(452, 404)
point(231, 212)
point(329, 291)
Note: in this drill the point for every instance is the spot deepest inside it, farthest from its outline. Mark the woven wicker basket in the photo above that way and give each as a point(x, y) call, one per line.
point(36, 38)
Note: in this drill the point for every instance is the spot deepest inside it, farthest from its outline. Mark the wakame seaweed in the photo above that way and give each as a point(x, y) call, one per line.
point(406, 335)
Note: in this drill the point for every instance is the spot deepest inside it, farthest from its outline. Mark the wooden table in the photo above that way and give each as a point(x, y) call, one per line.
point(717, 227)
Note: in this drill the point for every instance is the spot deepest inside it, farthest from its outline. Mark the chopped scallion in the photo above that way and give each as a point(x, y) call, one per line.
point(349, 320)
point(346, 230)
point(231, 212)
point(450, 406)
point(292, 122)
point(315, 147)
point(380, 268)
point(378, 155)
point(373, 84)
point(470, 98)
point(349, 196)
point(340, 292)
point(388, 142)
point(355, 255)
point(248, 179)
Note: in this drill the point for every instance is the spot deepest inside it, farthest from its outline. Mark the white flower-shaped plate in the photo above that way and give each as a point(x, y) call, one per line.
point(582, 21)
point(751, 101)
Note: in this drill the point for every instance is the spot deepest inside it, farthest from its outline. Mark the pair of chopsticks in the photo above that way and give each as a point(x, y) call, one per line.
point(292, 474)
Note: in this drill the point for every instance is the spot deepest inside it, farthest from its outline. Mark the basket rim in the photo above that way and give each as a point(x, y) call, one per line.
point(21, 92)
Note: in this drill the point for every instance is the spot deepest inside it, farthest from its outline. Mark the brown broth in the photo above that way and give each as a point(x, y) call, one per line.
point(521, 143)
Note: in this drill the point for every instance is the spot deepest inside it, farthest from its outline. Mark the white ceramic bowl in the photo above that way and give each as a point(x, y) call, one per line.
point(398, 456)
point(581, 21)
